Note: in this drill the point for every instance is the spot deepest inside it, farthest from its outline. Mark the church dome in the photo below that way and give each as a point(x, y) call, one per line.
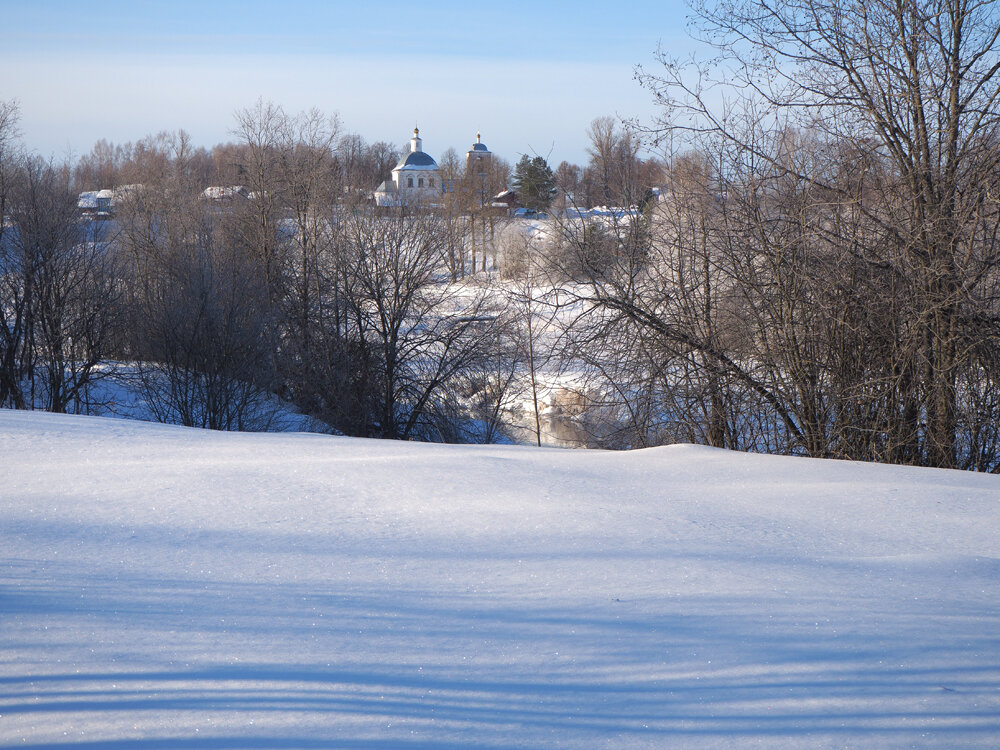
point(417, 160)
point(479, 146)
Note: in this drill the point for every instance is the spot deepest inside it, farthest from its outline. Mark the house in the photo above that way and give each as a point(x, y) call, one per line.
point(507, 200)
point(96, 204)
point(225, 194)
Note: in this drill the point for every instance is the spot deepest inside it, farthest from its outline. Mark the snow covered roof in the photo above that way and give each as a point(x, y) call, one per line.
point(221, 192)
point(602, 212)
point(96, 200)
point(417, 160)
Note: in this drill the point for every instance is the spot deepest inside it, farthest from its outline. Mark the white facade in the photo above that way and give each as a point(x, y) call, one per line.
point(415, 178)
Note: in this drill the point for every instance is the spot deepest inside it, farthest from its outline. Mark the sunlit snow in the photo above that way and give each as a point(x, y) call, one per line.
point(165, 587)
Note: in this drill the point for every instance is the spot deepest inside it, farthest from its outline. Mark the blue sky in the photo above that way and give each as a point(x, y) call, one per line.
point(530, 76)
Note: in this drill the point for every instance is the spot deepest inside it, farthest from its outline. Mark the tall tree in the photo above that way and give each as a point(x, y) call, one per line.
point(568, 178)
point(12, 302)
point(614, 162)
point(916, 86)
point(415, 337)
point(534, 182)
point(59, 292)
point(262, 129)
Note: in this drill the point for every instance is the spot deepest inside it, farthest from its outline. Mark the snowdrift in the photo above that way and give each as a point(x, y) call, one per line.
point(164, 587)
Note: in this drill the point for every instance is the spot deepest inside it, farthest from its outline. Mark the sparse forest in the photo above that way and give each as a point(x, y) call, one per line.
point(823, 274)
point(802, 256)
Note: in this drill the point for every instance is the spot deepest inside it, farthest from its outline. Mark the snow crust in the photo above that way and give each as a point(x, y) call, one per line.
point(164, 587)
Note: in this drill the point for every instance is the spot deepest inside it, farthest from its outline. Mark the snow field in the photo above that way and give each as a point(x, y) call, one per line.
point(172, 588)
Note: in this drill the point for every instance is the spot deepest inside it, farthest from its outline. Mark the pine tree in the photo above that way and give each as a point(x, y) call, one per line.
point(534, 183)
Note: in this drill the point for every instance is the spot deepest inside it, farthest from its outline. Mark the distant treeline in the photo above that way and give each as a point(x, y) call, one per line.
point(811, 267)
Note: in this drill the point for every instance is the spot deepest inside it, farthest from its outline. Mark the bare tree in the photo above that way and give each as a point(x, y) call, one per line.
point(204, 347)
point(102, 167)
point(493, 381)
point(307, 175)
point(568, 180)
point(914, 87)
point(614, 162)
point(261, 130)
point(12, 302)
point(362, 165)
point(201, 330)
point(60, 294)
point(415, 335)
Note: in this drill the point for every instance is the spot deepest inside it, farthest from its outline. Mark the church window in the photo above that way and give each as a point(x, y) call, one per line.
point(421, 182)
point(409, 182)
point(430, 182)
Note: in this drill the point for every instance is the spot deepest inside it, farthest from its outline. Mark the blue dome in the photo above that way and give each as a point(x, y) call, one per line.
point(417, 160)
point(479, 147)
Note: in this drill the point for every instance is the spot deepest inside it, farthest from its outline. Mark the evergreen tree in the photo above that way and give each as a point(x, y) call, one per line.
point(534, 183)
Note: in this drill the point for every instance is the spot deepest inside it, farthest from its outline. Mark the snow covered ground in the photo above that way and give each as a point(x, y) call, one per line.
point(172, 588)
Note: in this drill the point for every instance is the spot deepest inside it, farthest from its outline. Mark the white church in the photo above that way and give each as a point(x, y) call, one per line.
point(415, 179)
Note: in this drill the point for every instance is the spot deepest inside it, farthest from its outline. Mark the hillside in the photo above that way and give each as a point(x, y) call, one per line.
point(165, 587)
